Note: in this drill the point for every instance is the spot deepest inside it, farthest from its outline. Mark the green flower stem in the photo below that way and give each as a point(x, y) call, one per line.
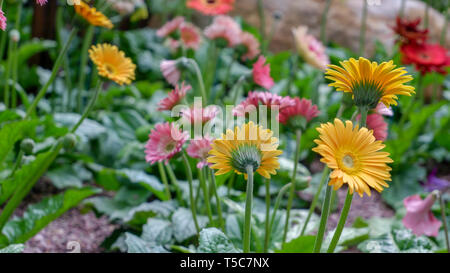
point(362, 35)
point(444, 29)
point(292, 191)
point(201, 83)
point(191, 191)
point(325, 173)
point(248, 209)
point(267, 223)
point(323, 22)
point(341, 223)
point(174, 181)
point(426, 17)
point(237, 88)
point(2, 44)
point(8, 73)
point(280, 195)
point(262, 24)
point(444, 221)
point(163, 175)
point(17, 164)
point(363, 111)
point(201, 178)
point(219, 206)
point(55, 70)
point(89, 107)
point(87, 41)
point(68, 81)
point(15, 57)
point(227, 76)
point(323, 220)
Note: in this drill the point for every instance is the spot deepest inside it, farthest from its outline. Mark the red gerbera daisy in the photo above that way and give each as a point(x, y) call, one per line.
point(409, 32)
point(426, 57)
point(211, 7)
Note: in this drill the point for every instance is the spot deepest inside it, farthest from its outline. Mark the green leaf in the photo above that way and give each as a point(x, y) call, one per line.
point(404, 183)
point(147, 181)
point(135, 244)
point(302, 244)
point(212, 240)
point(32, 47)
point(158, 231)
point(14, 248)
point(37, 216)
point(11, 133)
point(183, 224)
point(69, 176)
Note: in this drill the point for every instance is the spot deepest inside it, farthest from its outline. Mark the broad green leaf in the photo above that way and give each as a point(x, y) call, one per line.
point(69, 176)
point(183, 224)
point(148, 181)
point(158, 231)
point(14, 248)
point(32, 47)
point(37, 216)
point(302, 244)
point(135, 244)
point(212, 240)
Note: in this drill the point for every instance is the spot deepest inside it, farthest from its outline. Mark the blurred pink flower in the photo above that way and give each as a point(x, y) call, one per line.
point(310, 48)
point(172, 44)
point(199, 149)
point(301, 107)
point(165, 141)
point(211, 7)
point(226, 28)
point(190, 35)
point(199, 115)
point(2, 20)
point(170, 27)
point(383, 110)
point(419, 217)
point(265, 98)
point(174, 97)
point(170, 71)
point(41, 2)
point(376, 123)
point(261, 73)
point(251, 44)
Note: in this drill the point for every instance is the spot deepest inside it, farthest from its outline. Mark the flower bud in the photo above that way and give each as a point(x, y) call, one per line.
point(69, 141)
point(27, 146)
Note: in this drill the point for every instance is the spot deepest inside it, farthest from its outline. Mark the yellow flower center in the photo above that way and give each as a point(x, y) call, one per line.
point(109, 68)
point(348, 161)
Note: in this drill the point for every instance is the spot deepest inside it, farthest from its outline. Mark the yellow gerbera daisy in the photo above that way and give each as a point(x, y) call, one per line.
point(370, 82)
point(354, 156)
point(93, 16)
point(112, 63)
point(247, 145)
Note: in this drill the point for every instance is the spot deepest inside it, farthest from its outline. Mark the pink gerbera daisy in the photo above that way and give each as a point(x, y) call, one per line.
point(261, 73)
point(2, 20)
point(254, 99)
point(170, 27)
point(376, 123)
point(199, 115)
point(301, 108)
point(251, 45)
point(190, 35)
point(211, 7)
point(310, 48)
point(174, 97)
point(199, 149)
point(170, 71)
point(226, 28)
point(419, 217)
point(165, 141)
